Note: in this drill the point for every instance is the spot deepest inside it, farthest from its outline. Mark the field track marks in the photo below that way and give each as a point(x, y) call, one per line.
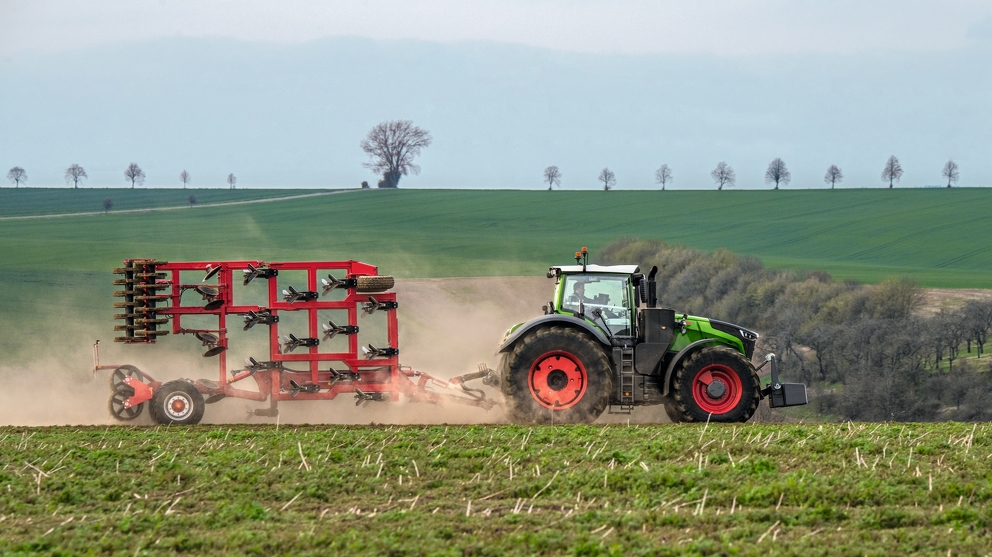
point(178, 207)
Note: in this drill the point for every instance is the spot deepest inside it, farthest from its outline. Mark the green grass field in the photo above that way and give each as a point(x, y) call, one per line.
point(935, 236)
point(837, 489)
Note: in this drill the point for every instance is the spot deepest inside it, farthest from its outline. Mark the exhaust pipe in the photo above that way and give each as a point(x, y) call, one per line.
point(652, 299)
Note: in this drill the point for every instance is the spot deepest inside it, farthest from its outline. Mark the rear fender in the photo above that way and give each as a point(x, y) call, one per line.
point(684, 353)
point(553, 319)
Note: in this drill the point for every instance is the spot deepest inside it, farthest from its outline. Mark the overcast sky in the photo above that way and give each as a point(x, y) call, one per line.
point(721, 27)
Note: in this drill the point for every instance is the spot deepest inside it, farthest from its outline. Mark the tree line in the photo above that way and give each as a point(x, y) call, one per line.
point(723, 175)
point(867, 352)
point(76, 175)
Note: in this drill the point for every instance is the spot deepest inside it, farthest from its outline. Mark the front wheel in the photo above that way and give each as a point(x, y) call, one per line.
point(556, 375)
point(177, 402)
point(716, 384)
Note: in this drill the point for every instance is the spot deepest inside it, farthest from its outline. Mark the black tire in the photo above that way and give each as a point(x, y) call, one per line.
point(117, 378)
point(692, 400)
point(380, 283)
point(177, 402)
point(574, 359)
point(672, 412)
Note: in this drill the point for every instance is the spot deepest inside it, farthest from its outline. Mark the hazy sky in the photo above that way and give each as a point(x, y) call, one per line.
point(721, 27)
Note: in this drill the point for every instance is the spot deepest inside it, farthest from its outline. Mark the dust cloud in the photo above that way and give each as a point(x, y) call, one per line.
point(447, 327)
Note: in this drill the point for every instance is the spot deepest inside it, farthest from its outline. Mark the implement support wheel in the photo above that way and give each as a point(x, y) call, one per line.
point(177, 402)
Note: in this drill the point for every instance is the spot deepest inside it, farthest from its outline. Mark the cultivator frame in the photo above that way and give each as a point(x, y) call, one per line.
point(295, 368)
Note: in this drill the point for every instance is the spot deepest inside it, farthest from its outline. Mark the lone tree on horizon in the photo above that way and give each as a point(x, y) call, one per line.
point(391, 147)
point(135, 174)
point(184, 177)
point(723, 175)
point(833, 176)
point(232, 180)
point(107, 204)
point(552, 176)
point(75, 174)
point(778, 173)
point(663, 175)
point(951, 172)
point(892, 171)
point(17, 175)
point(608, 178)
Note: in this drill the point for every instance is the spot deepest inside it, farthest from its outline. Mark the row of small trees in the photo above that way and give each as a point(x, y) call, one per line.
point(867, 352)
point(777, 173)
point(76, 174)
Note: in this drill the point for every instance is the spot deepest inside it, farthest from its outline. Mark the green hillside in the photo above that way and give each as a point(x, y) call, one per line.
point(53, 267)
point(937, 237)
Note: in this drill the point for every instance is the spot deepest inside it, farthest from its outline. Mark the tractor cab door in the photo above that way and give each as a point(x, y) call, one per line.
point(609, 293)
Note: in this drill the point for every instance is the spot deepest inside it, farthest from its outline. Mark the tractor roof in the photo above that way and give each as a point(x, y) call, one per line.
point(615, 269)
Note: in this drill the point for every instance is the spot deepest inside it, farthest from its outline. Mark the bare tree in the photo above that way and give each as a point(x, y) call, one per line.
point(663, 175)
point(17, 175)
point(192, 200)
point(778, 173)
point(552, 176)
point(75, 174)
point(833, 176)
point(723, 175)
point(107, 204)
point(184, 177)
point(892, 171)
point(232, 180)
point(608, 178)
point(391, 147)
point(135, 174)
point(951, 173)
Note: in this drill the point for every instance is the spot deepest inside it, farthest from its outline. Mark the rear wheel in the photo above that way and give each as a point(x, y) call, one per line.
point(556, 375)
point(177, 402)
point(716, 384)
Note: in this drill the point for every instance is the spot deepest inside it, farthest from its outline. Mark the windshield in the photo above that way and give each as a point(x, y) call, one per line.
point(609, 293)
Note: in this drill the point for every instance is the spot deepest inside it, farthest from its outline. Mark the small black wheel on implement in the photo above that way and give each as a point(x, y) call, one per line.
point(556, 375)
point(715, 383)
point(177, 402)
point(117, 378)
point(117, 408)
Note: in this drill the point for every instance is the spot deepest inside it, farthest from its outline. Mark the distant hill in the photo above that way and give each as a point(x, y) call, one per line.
point(293, 115)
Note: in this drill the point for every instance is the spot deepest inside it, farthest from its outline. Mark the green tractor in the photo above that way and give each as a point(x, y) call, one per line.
point(603, 342)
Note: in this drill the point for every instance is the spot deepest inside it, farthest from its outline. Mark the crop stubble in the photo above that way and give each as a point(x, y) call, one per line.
point(497, 489)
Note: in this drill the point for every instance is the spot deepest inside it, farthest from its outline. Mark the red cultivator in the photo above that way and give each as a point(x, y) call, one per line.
point(298, 366)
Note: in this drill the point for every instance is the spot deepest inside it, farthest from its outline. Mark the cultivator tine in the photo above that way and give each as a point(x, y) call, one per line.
point(373, 352)
point(297, 388)
point(373, 305)
point(362, 397)
point(290, 343)
point(330, 283)
point(291, 295)
point(342, 376)
point(253, 272)
point(332, 329)
point(262, 316)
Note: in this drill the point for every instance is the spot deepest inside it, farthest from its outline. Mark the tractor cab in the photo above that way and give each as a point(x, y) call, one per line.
point(602, 295)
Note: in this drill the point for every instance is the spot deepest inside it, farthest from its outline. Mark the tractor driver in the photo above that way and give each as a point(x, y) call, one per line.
point(579, 294)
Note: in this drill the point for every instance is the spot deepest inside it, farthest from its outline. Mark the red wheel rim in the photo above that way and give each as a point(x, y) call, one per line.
point(717, 389)
point(558, 380)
